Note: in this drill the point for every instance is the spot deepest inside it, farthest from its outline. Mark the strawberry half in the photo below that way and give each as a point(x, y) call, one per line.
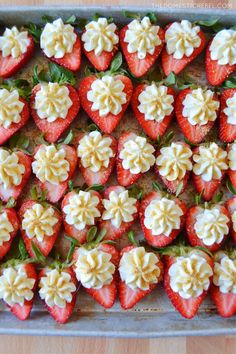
point(15, 191)
point(160, 240)
point(140, 67)
point(194, 133)
point(108, 122)
point(225, 303)
point(231, 172)
point(170, 64)
point(53, 130)
point(14, 221)
point(227, 131)
point(231, 207)
point(9, 65)
point(113, 232)
point(152, 128)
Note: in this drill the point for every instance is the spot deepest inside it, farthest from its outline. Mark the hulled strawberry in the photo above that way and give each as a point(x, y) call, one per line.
point(96, 156)
point(105, 99)
point(223, 289)
point(16, 48)
point(196, 111)
point(15, 171)
point(141, 43)
point(135, 156)
point(187, 278)
point(95, 266)
point(173, 165)
point(100, 42)
point(9, 225)
point(184, 42)
point(61, 44)
point(208, 226)
point(232, 163)
point(153, 106)
point(54, 166)
point(231, 207)
point(227, 132)
point(161, 218)
point(81, 210)
point(209, 168)
point(140, 272)
point(220, 57)
point(120, 212)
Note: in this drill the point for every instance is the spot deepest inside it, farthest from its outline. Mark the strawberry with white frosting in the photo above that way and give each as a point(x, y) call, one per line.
point(9, 225)
point(232, 163)
point(231, 207)
point(227, 132)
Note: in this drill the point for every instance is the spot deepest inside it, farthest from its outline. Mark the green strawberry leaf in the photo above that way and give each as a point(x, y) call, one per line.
point(116, 62)
point(95, 187)
point(22, 249)
point(170, 80)
point(190, 143)
point(230, 187)
point(133, 15)
point(101, 236)
point(11, 203)
point(92, 234)
point(179, 189)
point(136, 192)
point(152, 16)
point(38, 256)
point(230, 83)
point(34, 30)
point(22, 86)
point(132, 239)
point(68, 139)
point(46, 19)
point(157, 187)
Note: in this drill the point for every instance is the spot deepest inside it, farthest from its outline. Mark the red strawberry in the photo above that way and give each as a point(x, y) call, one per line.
point(9, 65)
point(56, 191)
point(112, 231)
point(193, 238)
point(188, 308)
point(225, 303)
point(107, 294)
point(227, 131)
point(52, 131)
point(152, 128)
point(61, 315)
point(48, 242)
point(231, 207)
point(170, 64)
point(140, 67)
point(13, 219)
point(15, 191)
point(194, 133)
point(109, 122)
point(160, 240)
point(102, 176)
point(215, 73)
point(71, 230)
point(130, 297)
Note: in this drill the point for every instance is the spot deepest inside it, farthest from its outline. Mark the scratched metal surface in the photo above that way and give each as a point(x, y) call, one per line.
point(154, 316)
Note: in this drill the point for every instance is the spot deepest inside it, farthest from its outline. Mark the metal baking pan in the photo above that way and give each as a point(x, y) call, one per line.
point(154, 316)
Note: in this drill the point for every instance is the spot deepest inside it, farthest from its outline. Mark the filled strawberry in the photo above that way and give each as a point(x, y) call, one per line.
point(54, 166)
point(153, 106)
point(231, 207)
point(227, 132)
point(187, 278)
point(220, 57)
point(223, 289)
point(140, 272)
point(173, 165)
point(16, 49)
point(95, 266)
point(9, 225)
point(208, 226)
point(81, 210)
point(232, 163)
point(141, 43)
point(184, 42)
point(105, 99)
point(209, 167)
point(61, 44)
point(196, 111)
point(135, 157)
point(100, 42)
point(15, 171)
point(96, 156)
point(120, 212)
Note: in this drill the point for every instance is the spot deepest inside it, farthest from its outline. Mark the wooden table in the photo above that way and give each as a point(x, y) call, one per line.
point(62, 345)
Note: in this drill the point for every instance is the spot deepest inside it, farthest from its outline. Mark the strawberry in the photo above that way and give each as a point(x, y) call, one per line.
point(231, 157)
point(53, 130)
point(225, 303)
point(14, 221)
point(191, 220)
point(188, 308)
point(108, 122)
point(140, 67)
point(227, 132)
point(113, 232)
point(130, 297)
point(231, 207)
point(170, 64)
point(55, 191)
point(152, 128)
point(15, 191)
point(194, 133)
point(160, 240)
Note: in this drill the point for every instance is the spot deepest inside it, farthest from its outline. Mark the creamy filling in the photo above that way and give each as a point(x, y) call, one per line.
point(14, 43)
point(11, 170)
point(223, 47)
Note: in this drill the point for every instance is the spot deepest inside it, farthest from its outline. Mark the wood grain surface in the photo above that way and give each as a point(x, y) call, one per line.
point(67, 345)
